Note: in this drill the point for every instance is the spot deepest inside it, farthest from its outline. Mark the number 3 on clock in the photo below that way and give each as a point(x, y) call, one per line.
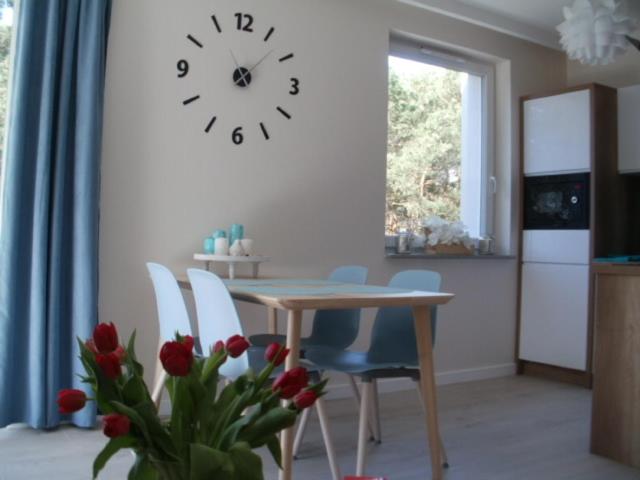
point(295, 86)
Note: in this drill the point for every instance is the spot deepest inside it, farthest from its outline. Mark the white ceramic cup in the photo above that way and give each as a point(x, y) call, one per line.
point(247, 246)
point(221, 246)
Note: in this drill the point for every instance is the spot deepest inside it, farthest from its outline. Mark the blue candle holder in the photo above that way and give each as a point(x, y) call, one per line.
point(236, 232)
point(209, 245)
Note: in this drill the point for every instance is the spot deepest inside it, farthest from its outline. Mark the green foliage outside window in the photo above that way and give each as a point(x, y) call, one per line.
point(5, 54)
point(424, 145)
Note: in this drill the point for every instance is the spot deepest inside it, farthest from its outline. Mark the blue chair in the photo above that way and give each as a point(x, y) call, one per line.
point(331, 328)
point(218, 320)
point(392, 353)
point(172, 317)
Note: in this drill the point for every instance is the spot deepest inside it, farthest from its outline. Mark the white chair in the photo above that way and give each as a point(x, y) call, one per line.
point(217, 320)
point(172, 317)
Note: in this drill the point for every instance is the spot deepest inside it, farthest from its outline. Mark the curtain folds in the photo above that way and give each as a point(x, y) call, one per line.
point(49, 231)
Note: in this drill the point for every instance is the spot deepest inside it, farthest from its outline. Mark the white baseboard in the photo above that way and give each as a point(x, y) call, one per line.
point(389, 385)
point(343, 390)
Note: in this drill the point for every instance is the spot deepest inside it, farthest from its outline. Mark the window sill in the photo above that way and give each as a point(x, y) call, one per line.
point(423, 256)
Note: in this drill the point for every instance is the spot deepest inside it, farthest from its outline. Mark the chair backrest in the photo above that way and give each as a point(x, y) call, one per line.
point(339, 328)
point(172, 312)
point(393, 338)
point(217, 317)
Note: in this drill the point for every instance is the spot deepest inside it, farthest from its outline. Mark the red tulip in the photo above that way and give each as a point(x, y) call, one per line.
point(121, 353)
point(177, 357)
point(289, 383)
point(305, 399)
point(116, 425)
point(105, 337)
point(70, 401)
point(218, 346)
point(110, 365)
point(276, 354)
point(188, 341)
point(237, 345)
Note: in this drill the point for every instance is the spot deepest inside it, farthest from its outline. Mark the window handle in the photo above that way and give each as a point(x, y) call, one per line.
point(493, 185)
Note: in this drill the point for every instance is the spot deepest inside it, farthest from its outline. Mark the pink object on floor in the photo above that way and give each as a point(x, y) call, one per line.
point(364, 478)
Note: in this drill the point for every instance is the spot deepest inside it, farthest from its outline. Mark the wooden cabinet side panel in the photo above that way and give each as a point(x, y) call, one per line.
point(615, 426)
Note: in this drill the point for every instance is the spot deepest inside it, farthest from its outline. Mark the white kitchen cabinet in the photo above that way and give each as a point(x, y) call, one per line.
point(557, 133)
point(629, 129)
point(554, 314)
point(556, 246)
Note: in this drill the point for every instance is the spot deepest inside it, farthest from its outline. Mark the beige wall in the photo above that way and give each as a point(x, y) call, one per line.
point(624, 72)
point(313, 197)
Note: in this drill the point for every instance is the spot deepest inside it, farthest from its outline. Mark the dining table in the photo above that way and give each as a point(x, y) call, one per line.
point(295, 296)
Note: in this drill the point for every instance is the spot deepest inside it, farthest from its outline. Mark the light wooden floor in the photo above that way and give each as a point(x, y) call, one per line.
point(506, 429)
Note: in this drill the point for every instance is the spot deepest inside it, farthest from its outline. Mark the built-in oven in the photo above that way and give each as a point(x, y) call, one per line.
point(556, 202)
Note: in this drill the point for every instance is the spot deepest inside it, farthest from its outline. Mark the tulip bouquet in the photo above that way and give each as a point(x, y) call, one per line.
point(212, 432)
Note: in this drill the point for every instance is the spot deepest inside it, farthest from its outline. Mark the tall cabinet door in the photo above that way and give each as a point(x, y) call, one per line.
point(557, 133)
point(554, 314)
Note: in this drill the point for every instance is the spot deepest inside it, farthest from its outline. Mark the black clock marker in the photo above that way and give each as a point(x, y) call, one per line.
point(264, 131)
point(210, 124)
point(191, 100)
point(284, 112)
point(194, 40)
point(286, 57)
point(271, 30)
point(215, 22)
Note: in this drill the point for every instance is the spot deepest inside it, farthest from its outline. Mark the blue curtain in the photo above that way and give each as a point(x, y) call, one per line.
point(49, 229)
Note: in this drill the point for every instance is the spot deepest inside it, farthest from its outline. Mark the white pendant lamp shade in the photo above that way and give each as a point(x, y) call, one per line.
point(595, 31)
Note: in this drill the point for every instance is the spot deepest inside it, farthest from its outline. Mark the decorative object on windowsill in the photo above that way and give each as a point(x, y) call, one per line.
point(446, 238)
point(595, 32)
point(486, 245)
point(221, 246)
point(403, 241)
point(236, 232)
point(209, 245)
point(236, 249)
point(210, 435)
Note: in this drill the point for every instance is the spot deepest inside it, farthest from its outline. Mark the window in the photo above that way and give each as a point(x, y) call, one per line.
point(439, 149)
point(6, 35)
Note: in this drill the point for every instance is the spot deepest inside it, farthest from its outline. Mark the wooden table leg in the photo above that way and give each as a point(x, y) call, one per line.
point(272, 328)
point(294, 325)
point(422, 320)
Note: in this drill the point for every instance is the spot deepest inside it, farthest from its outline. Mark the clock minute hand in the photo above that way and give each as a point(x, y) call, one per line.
point(260, 61)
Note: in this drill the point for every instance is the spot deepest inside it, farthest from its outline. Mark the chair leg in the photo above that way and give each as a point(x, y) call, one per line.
point(326, 435)
point(445, 459)
point(377, 426)
point(365, 404)
point(356, 397)
point(302, 428)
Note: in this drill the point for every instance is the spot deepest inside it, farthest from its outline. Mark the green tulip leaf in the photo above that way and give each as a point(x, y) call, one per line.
point(247, 465)
point(208, 464)
point(270, 423)
point(142, 469)
point(134, 391)
point(111, 448)
point(273, 444)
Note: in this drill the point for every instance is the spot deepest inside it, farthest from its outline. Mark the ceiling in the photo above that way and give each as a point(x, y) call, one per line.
point(533, 20)
point(544, 14)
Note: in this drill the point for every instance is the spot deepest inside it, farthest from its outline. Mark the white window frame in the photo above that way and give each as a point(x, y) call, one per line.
point(425, 53)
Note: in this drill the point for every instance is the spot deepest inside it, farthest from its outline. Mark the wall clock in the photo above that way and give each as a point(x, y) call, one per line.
point(237, 75)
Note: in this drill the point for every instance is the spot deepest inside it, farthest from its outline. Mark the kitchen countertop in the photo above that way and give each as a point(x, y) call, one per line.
point(628, 268)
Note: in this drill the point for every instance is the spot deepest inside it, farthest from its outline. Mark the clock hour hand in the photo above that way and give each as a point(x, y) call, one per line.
point(242, 72)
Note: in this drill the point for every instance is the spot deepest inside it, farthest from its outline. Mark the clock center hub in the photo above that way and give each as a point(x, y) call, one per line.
point(242, 77)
